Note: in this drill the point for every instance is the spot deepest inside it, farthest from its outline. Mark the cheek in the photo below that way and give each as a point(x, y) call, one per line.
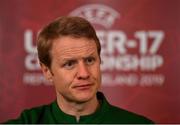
point(63, 79)
point(96, 71)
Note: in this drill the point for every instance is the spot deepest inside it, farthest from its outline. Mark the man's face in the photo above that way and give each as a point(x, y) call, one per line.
point(75, 69)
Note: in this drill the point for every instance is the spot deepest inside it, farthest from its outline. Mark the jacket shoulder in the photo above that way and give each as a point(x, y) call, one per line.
point(32, 116)
point(119, 115)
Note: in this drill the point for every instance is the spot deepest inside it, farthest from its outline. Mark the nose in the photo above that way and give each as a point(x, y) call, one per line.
point(83, 72)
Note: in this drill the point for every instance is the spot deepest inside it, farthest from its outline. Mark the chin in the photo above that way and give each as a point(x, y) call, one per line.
point(84, 97)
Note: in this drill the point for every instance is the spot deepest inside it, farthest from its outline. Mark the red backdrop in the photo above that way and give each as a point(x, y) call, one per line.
point(140, 46)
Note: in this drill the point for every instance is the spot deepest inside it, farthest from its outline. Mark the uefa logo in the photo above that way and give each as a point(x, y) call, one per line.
point(97, 14)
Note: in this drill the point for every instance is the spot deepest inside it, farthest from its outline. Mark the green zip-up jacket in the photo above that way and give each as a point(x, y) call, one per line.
point(106, 114)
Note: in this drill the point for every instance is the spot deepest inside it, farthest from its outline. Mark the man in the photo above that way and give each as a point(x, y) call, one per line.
point(69, 55)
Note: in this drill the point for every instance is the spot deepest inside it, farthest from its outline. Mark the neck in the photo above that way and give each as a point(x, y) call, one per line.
point(77, 109)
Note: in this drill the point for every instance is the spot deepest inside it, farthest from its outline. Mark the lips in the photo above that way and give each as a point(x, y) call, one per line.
point(83, 86)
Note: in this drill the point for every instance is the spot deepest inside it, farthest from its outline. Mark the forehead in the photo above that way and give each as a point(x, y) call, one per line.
point(73, 47)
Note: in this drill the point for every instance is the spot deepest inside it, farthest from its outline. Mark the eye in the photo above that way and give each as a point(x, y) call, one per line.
point(90, 60)
point(69, 64)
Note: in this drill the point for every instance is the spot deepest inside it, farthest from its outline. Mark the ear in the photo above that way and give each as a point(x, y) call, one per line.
point(47, 72)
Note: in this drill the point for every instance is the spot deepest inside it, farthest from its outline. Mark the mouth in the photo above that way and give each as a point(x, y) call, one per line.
point(83, 86)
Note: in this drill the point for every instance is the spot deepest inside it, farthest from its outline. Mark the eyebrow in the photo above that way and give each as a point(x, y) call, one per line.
point(74, 58)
